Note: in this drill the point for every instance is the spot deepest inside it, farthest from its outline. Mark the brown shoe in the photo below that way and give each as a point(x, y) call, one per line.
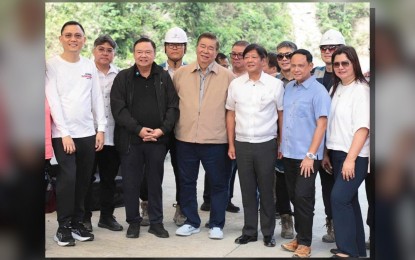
point(290, 246)
point(302, 251)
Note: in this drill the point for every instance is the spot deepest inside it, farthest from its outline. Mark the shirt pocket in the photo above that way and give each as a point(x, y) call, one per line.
point(303, 109)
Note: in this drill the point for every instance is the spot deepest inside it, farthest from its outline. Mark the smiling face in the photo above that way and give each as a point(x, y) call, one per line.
point(253, 62)
point(144, 54)
point(72, 39)
point(300, 67)
point(343, 68)
point(104, 54)
point(206, 52)
point(283, 60)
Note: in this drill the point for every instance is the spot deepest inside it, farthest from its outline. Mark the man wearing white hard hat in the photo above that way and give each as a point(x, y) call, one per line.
point(175, 44)
point(330, 41)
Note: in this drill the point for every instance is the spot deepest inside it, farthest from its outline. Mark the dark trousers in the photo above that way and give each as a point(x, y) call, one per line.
point(256, 163)
point(327, 182)
point(302, 192)
point(216, 163)
point(171, 147)
point(108, 162)
point(370, 195)
point(73, 178)
point(132, 169)
point(206, 191)
point(282, 204)
point(347, 216)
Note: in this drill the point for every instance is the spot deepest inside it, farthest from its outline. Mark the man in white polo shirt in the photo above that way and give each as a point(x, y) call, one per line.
point(253, 106)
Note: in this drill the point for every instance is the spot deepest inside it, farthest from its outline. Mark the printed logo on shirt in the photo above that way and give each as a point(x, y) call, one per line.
point(87, 76)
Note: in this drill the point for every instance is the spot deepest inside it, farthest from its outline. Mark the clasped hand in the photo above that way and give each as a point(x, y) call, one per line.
point(150, 135)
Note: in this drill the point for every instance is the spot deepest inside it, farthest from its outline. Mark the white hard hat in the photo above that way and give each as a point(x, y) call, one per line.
point(332, 37)
point(175, 35)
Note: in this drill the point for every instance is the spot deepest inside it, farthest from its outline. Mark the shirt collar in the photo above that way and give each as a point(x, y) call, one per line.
point(245, 78)
point(166, 65)
point(152, 72)
point(211, 67)
point(113, 69)
point(307, 83)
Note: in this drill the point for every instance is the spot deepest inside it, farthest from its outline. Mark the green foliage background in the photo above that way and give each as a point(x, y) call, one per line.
point(126, 22)
point(264, 23)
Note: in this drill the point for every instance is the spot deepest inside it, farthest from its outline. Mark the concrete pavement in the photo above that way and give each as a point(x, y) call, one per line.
point(115, 244)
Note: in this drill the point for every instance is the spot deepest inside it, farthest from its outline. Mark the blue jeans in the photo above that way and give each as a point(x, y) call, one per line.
point(216, 163)
point(347, 216)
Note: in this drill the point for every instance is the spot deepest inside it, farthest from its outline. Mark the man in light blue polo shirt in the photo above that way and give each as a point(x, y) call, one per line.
point(306, 108)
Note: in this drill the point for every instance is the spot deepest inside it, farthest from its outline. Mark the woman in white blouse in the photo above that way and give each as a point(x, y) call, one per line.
point(348, 150)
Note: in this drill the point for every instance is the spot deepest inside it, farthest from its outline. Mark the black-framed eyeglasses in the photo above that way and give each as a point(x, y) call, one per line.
point(281, 56)
point(344, 64)
point(175, 45)
point(331, 48)
point(236, 55)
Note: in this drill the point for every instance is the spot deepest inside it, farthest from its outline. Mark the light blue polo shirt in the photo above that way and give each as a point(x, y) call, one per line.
point(303, 105)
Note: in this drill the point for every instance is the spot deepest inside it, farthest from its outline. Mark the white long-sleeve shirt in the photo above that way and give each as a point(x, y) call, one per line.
point(75, 98)
point(105, 81)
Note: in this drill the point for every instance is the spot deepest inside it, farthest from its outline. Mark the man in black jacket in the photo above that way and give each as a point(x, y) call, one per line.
point(144, 104)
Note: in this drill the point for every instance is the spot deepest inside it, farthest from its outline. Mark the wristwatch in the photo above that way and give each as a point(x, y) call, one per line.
point(311, 156)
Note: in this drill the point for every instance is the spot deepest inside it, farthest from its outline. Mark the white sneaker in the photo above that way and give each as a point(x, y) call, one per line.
point(215, 233)
point(187, 230)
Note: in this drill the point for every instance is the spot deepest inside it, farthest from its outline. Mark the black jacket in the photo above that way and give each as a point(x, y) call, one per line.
point(122, 93)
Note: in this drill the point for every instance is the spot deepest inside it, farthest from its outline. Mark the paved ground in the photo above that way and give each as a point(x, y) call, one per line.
point(115, 244)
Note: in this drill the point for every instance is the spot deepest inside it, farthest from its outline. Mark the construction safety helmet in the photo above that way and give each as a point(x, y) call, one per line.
point(175, 35)
point(332, 37)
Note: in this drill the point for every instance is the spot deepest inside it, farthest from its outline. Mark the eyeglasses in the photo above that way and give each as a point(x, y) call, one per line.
point(102, 50)
point(175, 45)
point(344, 64)
point(331, 48)
point(287, 55)
point(236, 55)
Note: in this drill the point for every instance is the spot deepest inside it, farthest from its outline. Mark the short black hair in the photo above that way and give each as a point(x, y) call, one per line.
point(72, 23)
point(145, 39)
point(220, 56)
point(259, 49)
point(287, 44)
point(272, 60)
point(105, 39)
point(304, 52)
point(208, 35)
point(240, 43)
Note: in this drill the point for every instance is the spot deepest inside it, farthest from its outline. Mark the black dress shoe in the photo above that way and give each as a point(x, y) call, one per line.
point(269, 241)
point(158, 230)
point(334, 250)
point(205, 206)
point(232, 208)
point(133, 230)
point(109, 223)
point(244, 239)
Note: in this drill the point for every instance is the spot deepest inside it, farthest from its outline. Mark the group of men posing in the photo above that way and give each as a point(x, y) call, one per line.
point(203, 113)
